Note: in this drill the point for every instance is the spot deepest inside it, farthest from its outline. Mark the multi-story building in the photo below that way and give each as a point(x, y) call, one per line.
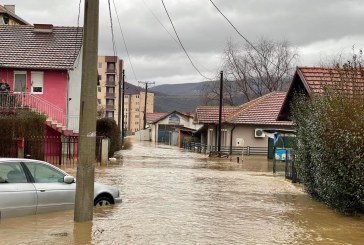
point(8, 16)
point(110, 76)
point(134, 101)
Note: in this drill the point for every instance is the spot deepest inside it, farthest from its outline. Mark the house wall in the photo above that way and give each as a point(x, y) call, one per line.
point(74, 95)
point(184, 122)
point(54, 85)
point(246, 132)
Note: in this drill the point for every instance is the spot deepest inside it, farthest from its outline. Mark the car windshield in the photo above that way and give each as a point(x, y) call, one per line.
point(43, 173)
point(12, 172)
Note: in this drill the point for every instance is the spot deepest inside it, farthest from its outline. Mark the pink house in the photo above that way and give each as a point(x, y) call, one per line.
point(41, 66)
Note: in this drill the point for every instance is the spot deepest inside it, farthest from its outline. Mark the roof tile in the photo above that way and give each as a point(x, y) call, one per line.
point(21, 47)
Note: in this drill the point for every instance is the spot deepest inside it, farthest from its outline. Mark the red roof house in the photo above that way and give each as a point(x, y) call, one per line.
point(41, 66)
point(313, 80)
point(243, 125)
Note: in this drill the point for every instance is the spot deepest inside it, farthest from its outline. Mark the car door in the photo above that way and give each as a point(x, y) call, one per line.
point(53, 194)
point(17, 195)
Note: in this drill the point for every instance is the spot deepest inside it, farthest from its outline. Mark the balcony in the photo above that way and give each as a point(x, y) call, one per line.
point(110, 107)
point(110, 84)
point(110, 95)
point(111, 70)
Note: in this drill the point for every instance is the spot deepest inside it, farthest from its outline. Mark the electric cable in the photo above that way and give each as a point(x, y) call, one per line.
point(124, 41)
point(179, 40)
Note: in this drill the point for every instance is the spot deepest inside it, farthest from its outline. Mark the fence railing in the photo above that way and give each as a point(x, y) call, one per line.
point(235, 150)
point(55, 150)
point(13, 100)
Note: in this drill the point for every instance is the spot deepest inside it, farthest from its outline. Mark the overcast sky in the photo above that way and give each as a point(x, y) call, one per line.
point(318, 28)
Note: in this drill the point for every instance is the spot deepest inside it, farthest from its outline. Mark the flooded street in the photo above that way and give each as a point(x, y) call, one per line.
point(176, 197)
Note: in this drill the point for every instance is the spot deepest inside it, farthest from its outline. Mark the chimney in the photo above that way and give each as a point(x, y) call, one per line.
point(43, 28)
point(10, 8)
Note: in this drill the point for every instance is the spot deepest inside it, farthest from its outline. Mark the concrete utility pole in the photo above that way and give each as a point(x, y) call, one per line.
point(88, 112)
point(145, 102)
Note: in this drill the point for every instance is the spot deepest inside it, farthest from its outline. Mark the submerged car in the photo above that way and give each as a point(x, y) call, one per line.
point(31, 187)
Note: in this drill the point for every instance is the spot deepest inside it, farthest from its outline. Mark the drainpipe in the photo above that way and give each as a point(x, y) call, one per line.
point(231, 139)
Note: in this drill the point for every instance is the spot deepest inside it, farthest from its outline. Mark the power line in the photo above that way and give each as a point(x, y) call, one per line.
point(112, 30)
point(246, 40)
point(174, 39)
point(180, 42)
point(124, 41)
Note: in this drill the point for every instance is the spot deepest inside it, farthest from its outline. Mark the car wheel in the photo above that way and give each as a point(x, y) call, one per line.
point(102, 201)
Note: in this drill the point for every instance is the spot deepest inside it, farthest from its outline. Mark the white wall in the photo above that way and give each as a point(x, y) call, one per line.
point(246, 132)
point(74, 93)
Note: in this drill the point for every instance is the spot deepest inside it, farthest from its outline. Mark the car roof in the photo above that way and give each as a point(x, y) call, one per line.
point(6, 159)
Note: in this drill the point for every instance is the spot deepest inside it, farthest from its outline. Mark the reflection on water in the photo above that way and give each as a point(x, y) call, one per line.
point(176, 197)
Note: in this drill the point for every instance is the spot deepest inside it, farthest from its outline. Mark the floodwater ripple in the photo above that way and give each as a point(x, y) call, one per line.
point(176, 197)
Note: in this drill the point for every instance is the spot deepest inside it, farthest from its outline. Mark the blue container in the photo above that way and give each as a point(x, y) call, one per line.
point(280, 154)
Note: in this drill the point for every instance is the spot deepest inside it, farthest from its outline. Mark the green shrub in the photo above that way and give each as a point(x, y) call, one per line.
point(107, 127)
point(330, 147)
point(22, 123)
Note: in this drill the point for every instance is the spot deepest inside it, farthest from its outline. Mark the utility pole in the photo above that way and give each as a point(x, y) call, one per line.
point(220, 113)
point(119, 98)
point(145, 102)
point(122, 109)
point(88, 112)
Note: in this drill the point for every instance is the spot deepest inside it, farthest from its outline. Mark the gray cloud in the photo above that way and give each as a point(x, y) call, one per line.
point(317, 28)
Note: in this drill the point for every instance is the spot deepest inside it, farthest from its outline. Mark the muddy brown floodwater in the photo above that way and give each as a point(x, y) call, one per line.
point(176, 197)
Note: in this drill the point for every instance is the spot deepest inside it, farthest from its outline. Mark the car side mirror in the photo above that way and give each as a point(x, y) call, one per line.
point(68, 179)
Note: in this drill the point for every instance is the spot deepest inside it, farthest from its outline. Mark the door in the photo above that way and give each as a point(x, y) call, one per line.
point(20, 78)
point(53, 194)
point(17, 195)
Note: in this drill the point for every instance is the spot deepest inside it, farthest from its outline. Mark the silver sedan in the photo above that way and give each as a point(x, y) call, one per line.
point(31, 187)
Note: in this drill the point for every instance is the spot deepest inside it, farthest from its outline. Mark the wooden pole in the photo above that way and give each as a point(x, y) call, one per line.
point(88, 113)
point(220, 114)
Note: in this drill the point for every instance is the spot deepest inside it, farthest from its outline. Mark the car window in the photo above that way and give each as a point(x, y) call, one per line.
point(12, 172)
point(43, 173)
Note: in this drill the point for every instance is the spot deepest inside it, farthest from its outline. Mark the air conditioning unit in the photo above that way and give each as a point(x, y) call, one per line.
point(258, 133)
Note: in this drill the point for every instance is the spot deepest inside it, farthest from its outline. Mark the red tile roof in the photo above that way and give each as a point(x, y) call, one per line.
point(152, 117)
point(210, 114)
point(157, 116)
point(260, 111)
point(315, 78)
point(21, 47)
point(3, 10)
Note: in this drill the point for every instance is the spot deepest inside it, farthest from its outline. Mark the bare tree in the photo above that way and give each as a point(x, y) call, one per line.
point(261, 69)
point(211, 92)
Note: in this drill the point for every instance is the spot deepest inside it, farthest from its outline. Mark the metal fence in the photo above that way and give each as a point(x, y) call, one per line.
point(55, 150)
point(235, 150)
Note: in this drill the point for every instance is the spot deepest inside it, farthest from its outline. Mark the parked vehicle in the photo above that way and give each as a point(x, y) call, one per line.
point(31, 187)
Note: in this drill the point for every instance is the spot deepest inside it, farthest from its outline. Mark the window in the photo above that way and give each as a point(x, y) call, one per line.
point(98, 89)
point(111, 66)
point(110, 114)
point(20, 81)
point(44, 174)
point(98, 101)
point(12, 173)
point(110, 78)
point(110, 90)
point(100, 65)
point(37, 82)
point(109, 102)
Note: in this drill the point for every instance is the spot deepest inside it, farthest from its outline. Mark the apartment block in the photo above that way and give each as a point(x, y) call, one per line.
point(110, 77)
point(134, 102)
